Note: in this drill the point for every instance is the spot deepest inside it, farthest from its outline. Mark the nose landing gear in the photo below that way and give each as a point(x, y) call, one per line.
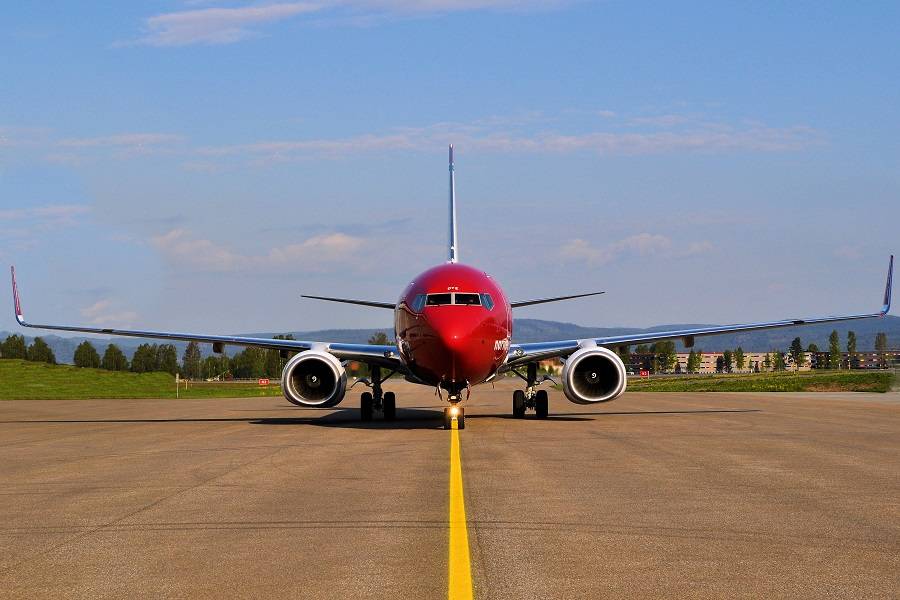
point(455, 412)
point(530, 397)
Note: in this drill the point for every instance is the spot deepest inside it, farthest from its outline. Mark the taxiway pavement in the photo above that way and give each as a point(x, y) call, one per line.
point(652, 495)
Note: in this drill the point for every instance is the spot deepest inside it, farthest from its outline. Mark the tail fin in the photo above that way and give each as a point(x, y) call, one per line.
point(453, 241)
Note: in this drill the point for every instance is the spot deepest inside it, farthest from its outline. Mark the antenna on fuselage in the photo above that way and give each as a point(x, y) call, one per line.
point(453, 242)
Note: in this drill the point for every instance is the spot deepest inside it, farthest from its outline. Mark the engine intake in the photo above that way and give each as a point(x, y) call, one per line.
point(314, 378)
point(594, 374)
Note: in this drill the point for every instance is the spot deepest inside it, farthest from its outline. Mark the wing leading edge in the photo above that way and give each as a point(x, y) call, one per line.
point(524, 353)
point(383, 355)
point(521, 303)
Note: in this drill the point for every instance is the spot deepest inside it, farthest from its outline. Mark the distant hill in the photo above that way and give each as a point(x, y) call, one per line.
point(535, 330)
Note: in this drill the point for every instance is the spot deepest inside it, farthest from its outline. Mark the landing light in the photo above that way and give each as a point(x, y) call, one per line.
point(454, 411)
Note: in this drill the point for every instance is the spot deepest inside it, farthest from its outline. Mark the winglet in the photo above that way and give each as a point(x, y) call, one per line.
point(886, 305)
point(16, 304)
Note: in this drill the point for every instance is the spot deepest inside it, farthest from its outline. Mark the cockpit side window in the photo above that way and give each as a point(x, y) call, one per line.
point(467, 299)
point(439, 299)
point(418, 303)
point(487, 301)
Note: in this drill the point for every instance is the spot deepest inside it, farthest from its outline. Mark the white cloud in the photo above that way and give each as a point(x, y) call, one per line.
point(487, 137)
point(50, 214)
point(695, 248)
point(133, 141)
point(104, 313)
point(21, 136)
point(218, 25)
point(74, 151)
point(528, 132)
point(182, 249)
point(289, 149)
point(642, 244)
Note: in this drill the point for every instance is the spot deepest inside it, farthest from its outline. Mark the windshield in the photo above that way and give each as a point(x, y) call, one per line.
point(467, 299)
point(458, 298)
point(439, 299)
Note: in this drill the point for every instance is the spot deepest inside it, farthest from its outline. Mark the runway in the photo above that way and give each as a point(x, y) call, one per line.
point(652, 495)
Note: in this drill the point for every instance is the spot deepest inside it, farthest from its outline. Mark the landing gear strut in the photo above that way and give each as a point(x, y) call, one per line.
point(530, 397)
point(377, 400)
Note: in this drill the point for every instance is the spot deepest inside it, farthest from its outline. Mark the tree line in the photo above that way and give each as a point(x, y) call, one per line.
point(250, 363)
point(662, 357)
point(38, 351)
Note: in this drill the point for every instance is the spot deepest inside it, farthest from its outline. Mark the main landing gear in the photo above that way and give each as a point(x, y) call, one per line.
point(376, 400)
point(530, 397)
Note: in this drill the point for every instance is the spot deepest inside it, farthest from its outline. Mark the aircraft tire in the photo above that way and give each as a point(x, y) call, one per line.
point(518, 404)
point(448, 420)
point(390, 406)
point(461, 419)
point(542, 404)
point(366, 406)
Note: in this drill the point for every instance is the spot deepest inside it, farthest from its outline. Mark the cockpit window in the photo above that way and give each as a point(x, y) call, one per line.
point(487, 301)
point(439, 299)
point(458, 298)
point(418, 303)
point(467, 299)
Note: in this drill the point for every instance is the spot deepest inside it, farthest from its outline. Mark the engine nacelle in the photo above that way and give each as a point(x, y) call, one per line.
point(315, 379)
point(594, 374)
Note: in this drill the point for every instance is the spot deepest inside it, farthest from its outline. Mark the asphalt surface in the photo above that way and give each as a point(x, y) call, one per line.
point(653, 495)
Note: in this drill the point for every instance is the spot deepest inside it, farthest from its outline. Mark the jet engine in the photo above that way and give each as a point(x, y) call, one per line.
point(593, 374)
point(314, 379)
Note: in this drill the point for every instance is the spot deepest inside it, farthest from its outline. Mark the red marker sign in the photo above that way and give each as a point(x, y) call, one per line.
point(645, 373)
point(263, 382)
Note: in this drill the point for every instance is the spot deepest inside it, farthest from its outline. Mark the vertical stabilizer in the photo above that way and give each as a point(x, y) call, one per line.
point(453, 242)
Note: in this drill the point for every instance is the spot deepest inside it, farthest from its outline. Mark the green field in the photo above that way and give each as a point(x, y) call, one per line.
point(807, 381)
point(21, 380)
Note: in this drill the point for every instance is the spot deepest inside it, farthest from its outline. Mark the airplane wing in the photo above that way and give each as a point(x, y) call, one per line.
point(382, 355)
point(371, 303)
point(520, 354)
point(521, 303)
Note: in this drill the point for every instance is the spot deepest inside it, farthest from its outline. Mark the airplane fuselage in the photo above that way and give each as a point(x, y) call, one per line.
point(453, 325)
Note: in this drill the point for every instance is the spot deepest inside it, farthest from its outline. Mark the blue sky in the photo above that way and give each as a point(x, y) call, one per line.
point(197, 165)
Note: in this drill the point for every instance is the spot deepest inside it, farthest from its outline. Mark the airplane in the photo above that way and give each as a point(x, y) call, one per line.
point(453, 327)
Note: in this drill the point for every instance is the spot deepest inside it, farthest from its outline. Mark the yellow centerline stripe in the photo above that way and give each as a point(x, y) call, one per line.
point(460, 575)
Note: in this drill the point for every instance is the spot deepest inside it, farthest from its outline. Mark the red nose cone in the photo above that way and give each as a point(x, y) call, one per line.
point(450, 343)
point(460, 348)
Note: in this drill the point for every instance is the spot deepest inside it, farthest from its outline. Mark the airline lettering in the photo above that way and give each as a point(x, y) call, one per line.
point(501, 345)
